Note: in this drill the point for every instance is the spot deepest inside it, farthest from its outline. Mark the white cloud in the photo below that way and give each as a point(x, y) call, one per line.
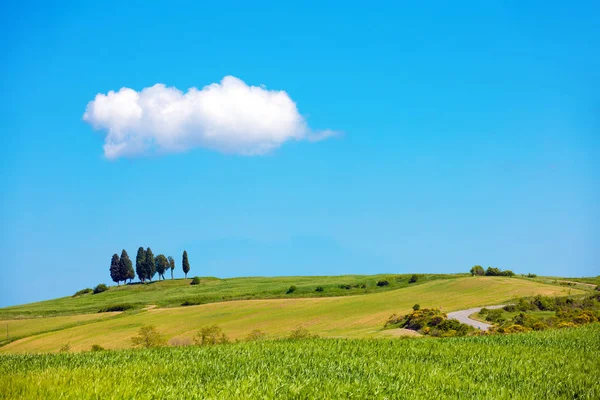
point(229, 116)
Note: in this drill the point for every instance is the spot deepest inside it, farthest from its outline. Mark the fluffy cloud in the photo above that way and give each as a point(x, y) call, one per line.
point(229, 116)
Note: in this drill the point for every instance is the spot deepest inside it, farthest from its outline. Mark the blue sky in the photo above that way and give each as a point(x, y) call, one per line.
point(466, 134)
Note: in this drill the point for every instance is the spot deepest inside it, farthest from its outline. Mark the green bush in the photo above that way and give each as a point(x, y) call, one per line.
point(495, 316)
point(82, 292)
point(429, 322)
point(148, 337)
point(116, 307)
point(100, 288)
point(195, 281)
point(191, 303)
point(301, 333)
point(291, 289)
point(319, 289)
point(417, 307)
point(345, 287)
point(509, 308)
point(210, 335)
point(256, 335)
point(413, 279)
point(382, 283)
point(530, 275)
point(97, 347)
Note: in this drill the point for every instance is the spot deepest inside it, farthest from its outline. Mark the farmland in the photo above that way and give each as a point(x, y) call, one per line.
point(348, 316)
point(558, 364)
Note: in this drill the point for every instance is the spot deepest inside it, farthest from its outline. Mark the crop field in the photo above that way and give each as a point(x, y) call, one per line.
point(172, 293)
point(557, 364)
point(360, 316)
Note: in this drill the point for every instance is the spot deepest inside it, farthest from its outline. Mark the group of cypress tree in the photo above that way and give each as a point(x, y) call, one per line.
point(146, 266)
point(121, 268)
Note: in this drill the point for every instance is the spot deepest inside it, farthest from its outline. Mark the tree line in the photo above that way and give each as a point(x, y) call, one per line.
point(479, 271)
point(146, 266)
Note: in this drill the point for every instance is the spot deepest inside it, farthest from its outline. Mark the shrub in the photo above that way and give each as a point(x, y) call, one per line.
point(383, 283)
point(256, 335)
point(417, 307)
point(191, 303)
point(100, 288)
point(510, 308)
point(291, 289)
point(116, 307)
point(543, 303)
point(345, 287)
point(301, 333)
point(148, 337)
point(65, 348)
point(495, 316)
point(210, 335)
point(539, 326)
point(566, 325)
point(363, 286)
point(484, 311)
point(195, 281)
point(413, 279)
point(82, 292)
point(97, 347)
point(319, 289)
point(530, 275)
point(516, 329)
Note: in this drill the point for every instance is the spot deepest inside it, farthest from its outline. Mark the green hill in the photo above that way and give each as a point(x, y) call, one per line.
point(350, 316)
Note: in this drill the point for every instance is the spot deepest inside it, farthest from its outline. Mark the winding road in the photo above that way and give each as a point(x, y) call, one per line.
point(463, 317)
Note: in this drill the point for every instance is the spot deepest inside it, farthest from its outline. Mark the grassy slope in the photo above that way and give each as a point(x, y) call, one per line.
point(350, 316)
point(557, 364)
point(172, 293)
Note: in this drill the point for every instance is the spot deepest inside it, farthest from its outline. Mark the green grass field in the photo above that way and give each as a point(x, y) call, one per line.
point(557, 364)
point(358, 316)
point(172, 293)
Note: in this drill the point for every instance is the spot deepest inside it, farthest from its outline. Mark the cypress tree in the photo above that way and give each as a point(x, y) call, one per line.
point(171, 265)
point(185, 264)
point(125, 267)
point(114, 268)
point(149, 267)
point(140, 261)
point(161, 265)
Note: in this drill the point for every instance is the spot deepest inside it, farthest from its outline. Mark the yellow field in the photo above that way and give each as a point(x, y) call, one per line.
point(349, 317)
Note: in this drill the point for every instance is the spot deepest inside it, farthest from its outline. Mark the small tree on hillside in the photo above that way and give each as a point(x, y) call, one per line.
point(185, 264)
point(149, 266)
point(140, 264)
point(477, 271)
point(171, 265)
point(114, 269)
point(162, 264)
point(125, 267)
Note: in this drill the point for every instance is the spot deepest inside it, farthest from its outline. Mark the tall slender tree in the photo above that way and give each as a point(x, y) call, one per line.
point(114, 268)
point(149, 265)
point(171, 265)
point(185, 264)
point(140, 264)
point(125, 267)
point(161, 265)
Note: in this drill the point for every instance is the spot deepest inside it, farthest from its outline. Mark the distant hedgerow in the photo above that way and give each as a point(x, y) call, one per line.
point(116, 307)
